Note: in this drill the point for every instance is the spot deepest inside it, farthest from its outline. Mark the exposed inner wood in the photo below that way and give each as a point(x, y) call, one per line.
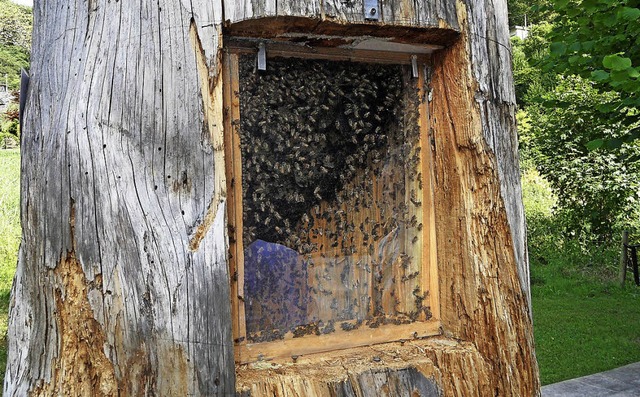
point(455, 367)
point(281, 27)
point(481, 297)
point(82, 339)
point(211, 94)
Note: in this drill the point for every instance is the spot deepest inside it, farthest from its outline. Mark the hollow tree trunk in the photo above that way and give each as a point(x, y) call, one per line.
point(122, 285)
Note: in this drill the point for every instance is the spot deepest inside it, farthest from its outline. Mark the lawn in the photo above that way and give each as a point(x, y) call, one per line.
point(584, 322)
point(9, 237)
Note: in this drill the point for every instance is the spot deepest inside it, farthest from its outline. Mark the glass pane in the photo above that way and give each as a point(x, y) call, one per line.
point(332, 199)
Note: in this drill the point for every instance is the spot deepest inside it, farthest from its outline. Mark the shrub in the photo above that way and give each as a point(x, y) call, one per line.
point(597, 191)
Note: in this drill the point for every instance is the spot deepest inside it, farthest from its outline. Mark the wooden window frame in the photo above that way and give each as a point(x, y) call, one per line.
point(246, 352)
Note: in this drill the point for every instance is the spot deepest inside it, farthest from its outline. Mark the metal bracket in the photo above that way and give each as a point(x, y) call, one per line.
point(371, 10)
point(262, 57)
point(414, 66)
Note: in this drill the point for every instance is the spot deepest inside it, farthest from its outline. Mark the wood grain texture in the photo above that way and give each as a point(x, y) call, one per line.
point(490, 57)
point(425, 14)
point(439, 13)
point(480, 227)
point(307, 30)
point(122, 270)
point(339, 340)
point(416, 368)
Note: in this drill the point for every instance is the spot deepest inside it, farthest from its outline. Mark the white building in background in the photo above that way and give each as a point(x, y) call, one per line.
point(521, 31)
point(5, 95)
point(5, 99)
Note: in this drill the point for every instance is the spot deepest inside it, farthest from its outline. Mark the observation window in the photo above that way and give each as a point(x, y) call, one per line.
point(330, 200)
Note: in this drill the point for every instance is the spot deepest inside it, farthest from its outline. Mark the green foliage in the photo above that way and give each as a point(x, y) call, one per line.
point(533, 9)
point(584, 322)
point(597, 191)
point(529, 78)
point(598, 40)
point(577, 200)
point(9, 238)
point(12, 59)
point(15, 25)
point(7, 141)
point(15, 41)
point(9, 128)
point(539, 202)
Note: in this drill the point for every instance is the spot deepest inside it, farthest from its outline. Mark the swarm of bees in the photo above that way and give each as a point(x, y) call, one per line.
point(330, 166)
point(306, 127)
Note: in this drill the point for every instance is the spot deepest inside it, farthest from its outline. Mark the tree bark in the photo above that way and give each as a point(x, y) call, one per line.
point(481, 232)
point(424, 14)
point(122, 285)
point(120, 275)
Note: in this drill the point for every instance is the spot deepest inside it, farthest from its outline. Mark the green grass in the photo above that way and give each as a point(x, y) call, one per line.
point(9, 238)
point(584, 322)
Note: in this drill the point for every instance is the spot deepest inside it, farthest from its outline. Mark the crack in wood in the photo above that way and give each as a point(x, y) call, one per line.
point(210, 78)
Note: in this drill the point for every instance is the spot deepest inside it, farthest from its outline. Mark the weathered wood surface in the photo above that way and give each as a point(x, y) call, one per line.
point(438, 13)
point(122, 277)
point(429, 22)
point(490, 58)
point(480, 222)
point(417, 368)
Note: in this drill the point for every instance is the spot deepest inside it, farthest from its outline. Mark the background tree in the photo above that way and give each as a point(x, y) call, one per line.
point(529, 78)
point(15, 41)
point(598, 40)
point(597, 190)
point(535, 11)
point(15, 47)
point(10, 126)
point(565, 109)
